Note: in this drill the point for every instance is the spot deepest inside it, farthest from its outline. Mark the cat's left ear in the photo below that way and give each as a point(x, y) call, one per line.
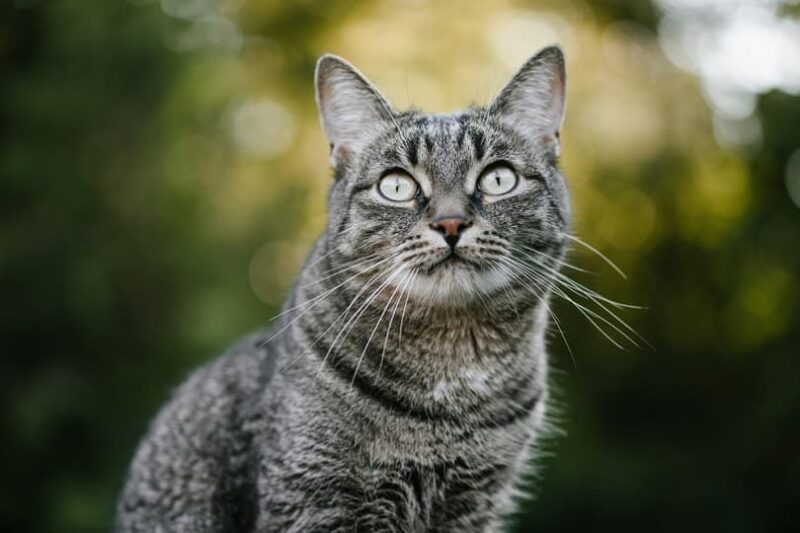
point(351, 109)
point(533, 102)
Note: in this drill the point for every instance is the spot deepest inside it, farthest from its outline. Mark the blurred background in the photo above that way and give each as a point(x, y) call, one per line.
point(163, 174)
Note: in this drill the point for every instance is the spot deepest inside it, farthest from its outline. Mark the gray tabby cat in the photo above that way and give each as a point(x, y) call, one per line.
point(407, 379)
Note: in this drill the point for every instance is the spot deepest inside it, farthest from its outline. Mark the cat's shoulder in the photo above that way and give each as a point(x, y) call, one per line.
point(243, 369)
point(221, 395)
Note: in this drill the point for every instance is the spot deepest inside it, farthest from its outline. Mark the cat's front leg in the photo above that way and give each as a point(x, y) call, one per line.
point(475, 498)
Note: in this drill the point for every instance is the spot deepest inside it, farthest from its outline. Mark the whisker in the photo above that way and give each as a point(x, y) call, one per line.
point(599, 254)
point(594, 297)
point(391, 320)
point(589, 314)
point(549, 310)
point(351, 322)
point(563, 337)
point(589, 293)
point(310, 304)
point(342, 268)
point(374, 329)
point(403, 314)
point(335, 322)
point(560, 262)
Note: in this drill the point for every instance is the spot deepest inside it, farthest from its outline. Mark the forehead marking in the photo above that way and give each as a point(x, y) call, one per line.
point(478, 142)
point(429, 143)
point(462, 133)
point(411, 150)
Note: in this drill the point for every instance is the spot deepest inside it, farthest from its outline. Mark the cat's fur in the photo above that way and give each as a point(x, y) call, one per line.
point(400, 391)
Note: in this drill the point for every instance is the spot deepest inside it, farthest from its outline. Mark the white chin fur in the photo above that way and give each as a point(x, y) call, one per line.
point(457, 285)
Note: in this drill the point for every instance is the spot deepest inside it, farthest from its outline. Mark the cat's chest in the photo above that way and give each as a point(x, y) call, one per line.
point(461, 369)
point(458, 352)
point(432, 488)
point(487, 427)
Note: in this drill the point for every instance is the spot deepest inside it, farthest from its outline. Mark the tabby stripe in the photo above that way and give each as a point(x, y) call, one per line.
point(411, 151)
point(550, 198)
point(462, 133)
point(479, 142)
point(346, 373)
point(514, 415)
point(401, 407)
point(429, 143)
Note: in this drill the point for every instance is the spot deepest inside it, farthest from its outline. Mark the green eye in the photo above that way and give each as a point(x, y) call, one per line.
point(497, 180)
point(397, 187)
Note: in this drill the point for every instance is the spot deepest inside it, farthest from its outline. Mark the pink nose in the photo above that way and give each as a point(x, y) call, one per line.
point(450, 228)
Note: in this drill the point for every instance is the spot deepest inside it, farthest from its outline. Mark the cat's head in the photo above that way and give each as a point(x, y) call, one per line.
point(451, 208)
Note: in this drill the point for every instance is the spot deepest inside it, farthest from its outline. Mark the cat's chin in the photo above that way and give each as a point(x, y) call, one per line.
point(457, 282)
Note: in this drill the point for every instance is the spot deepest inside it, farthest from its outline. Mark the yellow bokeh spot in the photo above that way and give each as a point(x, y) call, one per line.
point(714, 199)
point(762, 305)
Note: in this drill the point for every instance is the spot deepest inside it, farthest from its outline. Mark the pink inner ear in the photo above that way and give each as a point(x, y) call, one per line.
point(552, 141)
point(558, 91)
point(339, 155)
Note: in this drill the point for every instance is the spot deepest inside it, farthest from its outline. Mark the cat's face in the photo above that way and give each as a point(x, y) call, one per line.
point(448, 209)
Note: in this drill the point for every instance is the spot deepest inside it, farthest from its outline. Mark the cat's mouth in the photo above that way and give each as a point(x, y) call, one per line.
point(451, 260)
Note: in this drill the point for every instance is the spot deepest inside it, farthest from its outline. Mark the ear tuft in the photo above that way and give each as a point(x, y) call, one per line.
point(351, 109)
point(533, 102)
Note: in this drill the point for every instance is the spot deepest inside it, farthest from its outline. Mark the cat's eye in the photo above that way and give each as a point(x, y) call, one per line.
point(497, 180)
point(397, 187)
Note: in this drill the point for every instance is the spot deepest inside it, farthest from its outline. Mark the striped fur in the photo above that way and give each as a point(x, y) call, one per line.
point(400, 390)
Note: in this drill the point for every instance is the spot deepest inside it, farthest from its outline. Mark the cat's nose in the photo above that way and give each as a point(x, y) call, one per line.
point(451, 228)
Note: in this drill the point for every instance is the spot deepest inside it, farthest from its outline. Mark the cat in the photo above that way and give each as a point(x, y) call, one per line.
point(407, 379)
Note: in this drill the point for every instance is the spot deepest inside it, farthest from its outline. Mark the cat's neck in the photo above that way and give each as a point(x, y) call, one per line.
point(406, 339)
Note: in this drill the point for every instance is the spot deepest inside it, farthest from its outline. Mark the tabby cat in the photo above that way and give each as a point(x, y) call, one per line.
point(406, 381)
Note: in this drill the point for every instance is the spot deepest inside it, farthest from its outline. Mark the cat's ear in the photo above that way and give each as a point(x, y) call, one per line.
point(351, 108)
point(533, 102)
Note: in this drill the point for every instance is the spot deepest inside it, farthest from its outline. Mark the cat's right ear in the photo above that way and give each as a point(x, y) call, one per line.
point(351, 109)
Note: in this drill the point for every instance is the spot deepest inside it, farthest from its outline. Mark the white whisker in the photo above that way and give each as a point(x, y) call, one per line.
point(310, 304)
point(374, 329)
point(599, 254)
point(348, 326)
point(335, 322)
point(406, 280)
